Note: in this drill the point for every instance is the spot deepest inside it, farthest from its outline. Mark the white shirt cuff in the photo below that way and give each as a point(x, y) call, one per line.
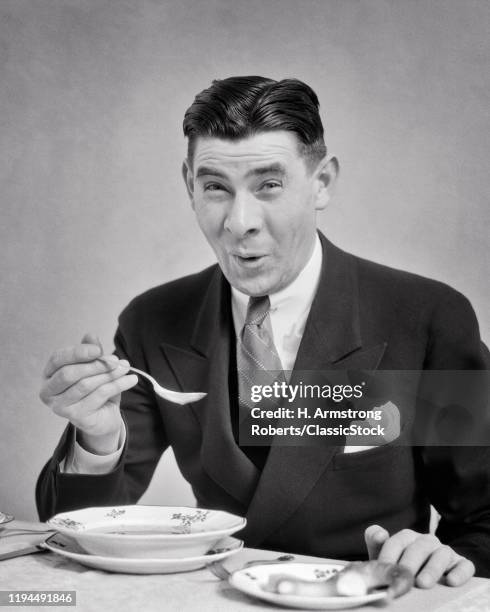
point(80, 461)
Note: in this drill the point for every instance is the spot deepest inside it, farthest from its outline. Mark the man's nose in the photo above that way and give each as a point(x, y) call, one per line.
point(244, 215)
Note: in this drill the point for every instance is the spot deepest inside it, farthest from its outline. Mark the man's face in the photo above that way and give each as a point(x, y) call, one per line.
point(256, 201)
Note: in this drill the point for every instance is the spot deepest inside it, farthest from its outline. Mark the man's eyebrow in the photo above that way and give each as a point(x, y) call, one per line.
point(274, 168)
point(208, 171)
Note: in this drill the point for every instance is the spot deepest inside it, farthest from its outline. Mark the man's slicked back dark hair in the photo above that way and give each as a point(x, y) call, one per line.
point(239, 107)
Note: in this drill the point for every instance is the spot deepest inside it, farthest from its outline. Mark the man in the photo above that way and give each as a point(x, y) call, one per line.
point(257, 172)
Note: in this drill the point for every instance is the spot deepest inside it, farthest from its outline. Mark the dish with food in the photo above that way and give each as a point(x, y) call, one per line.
point(323, 586)
point(147, 531)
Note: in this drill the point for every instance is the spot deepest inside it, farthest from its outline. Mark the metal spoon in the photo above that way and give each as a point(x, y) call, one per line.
point(172, 396)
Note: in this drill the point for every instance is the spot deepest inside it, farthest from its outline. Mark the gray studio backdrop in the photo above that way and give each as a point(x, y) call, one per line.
point(93, 210)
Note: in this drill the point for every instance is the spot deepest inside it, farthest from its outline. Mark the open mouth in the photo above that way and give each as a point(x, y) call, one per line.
point(249, 260)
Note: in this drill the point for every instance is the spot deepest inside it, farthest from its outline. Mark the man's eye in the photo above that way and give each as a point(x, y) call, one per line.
point(213, 187)
point(269, 185)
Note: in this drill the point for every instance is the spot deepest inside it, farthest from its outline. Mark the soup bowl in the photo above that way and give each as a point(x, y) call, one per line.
point(164, 532)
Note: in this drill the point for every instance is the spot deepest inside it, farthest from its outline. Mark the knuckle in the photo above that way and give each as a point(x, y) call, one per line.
point(112, 375)
point(447, 550)
point(47, 397)
point(60, 410)
point(74, 412)
point(50, 401)
point(99, 367)
point(102, 393)
point(114, 387)
point(84, 386)
point(65, 375)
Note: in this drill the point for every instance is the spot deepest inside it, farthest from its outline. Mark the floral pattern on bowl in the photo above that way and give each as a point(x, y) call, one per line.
point(67, 523)
point(115, 513)
point(187, 520)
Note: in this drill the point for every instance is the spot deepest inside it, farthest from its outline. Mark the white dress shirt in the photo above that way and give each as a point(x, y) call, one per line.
point(288, 314)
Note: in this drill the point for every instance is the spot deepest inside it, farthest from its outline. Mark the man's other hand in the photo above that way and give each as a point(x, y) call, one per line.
point(86, 390)
point(422, 553)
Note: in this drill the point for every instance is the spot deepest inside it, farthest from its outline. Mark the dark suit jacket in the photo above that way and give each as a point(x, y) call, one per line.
point(313, 500)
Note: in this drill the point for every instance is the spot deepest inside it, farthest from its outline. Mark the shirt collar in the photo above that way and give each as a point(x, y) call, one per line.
point(293, 299)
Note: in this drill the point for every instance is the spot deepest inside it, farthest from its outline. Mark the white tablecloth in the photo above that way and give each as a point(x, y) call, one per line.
point(198, 591)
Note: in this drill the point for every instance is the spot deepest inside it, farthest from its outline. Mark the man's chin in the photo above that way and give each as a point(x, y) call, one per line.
point(252, 286)
point(256, 289)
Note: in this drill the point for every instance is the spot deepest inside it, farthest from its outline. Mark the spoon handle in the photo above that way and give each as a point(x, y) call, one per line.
point(219, 570)
point(141, 373)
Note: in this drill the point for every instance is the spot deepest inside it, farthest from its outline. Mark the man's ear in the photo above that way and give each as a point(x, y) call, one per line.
point(326, 178)
point(188, 180)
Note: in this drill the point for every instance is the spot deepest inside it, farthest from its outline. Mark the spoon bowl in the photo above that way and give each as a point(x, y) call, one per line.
point(176, 397)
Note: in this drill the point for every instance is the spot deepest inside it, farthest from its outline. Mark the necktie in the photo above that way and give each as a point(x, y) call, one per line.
point(258, 362)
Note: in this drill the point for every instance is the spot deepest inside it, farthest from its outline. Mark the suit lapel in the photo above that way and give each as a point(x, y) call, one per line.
point(333, 327)
point(205, 366)
point(331, 340)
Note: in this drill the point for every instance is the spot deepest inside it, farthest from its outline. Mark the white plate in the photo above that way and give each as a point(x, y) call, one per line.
point(252, 580)
point(166, 532)
point(67, 547)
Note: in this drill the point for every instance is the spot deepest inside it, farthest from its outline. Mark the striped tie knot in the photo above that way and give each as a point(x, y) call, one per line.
point(257, 310)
